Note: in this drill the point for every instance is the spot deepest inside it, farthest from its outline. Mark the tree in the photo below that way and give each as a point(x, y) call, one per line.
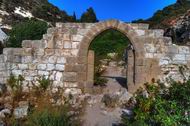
point(89, 16)
point(28, 30)
point(74, 17)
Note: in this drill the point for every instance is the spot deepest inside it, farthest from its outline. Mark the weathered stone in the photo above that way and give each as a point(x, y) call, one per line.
point(50, 67)
point(61, 60)
point(60, 67)
point(22, 110)
point(70, 77)
point(67, 45)
point(63, 55)
point(23, 66)
point(77, 38)
point(42, 67)
point(184, 50)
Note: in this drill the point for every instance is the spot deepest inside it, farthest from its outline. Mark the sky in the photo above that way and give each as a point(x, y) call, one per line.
point(124, 10)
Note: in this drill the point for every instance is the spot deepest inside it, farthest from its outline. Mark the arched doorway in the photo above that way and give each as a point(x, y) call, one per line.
point(136, 77)
point(108, 59)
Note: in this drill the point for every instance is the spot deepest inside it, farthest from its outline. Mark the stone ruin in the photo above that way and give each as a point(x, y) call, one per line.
point(63, 55)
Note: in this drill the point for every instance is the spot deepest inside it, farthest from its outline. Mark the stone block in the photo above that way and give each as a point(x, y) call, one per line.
point(172, 49)
point(2, 66)
point(27, 51)
point(41, 66)
point(50, 67)
point(179, 57)
point(70, 85)
point(140, 32)
point(27, 44)
point(81, 76)
point(149, 48)
point(49, 52)
point(59, 44)
point(32, 66)
point(184, 50)
point(75, 45)
point(77, 38)
point(31, 73)
point(74, 52)
point(149, 55)
point(1, 58)
point(67, 45)
point(70, 76)
point(43, 73)
point(59, 76)
point(60, 67)
point(17, 72)
point(23, 66)
point(164, 61)
point(61, 60)
point(39, 52)
point(52, 59)
point(66, 37)
point(27, 59)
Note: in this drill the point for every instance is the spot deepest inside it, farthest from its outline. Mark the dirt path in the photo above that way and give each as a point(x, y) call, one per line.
point(97, 114)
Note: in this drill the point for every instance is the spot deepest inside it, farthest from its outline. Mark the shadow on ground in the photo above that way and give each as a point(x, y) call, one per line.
point(121, 80)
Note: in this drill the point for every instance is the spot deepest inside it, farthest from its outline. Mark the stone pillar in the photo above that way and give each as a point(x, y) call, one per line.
point(90, 69)
point(130, 69)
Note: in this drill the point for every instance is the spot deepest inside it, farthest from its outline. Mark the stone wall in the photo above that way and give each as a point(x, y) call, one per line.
point(62, 55)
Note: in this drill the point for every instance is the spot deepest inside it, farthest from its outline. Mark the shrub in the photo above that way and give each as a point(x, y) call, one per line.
point(28, 30)
point(167, 107)
point(44, 82)
point(98, 80)
point(15, 84)
point(53, 116)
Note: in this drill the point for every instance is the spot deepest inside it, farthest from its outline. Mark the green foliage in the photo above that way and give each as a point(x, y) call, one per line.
point(89, 16)
point(15, 84)
point(110, 41)
point(163, 107)
point(51, 13)
point(172, 11)
point(50, 117)
point(29, 30)
point(98, 80)
point(44, 83)
point(47, 116)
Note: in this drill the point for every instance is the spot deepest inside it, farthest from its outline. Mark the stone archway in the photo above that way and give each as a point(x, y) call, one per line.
point(135, 40)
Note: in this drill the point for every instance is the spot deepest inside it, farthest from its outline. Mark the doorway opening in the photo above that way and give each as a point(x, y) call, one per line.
point(111, 60)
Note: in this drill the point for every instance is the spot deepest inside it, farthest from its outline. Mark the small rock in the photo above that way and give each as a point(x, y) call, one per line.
point(4, 113)
point(22, 110)
point(145, 94)
point(127, 112)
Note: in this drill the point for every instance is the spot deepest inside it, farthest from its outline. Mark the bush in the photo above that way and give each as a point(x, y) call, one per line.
point(47, 116)
point(110, 41)
point(98, 80)
point(28, 30)
point(163, 107)
point(56, 116)
point(15, 84)
point(44, 82)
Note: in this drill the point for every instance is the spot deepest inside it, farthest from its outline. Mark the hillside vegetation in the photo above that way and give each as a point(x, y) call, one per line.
point(162, 18)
